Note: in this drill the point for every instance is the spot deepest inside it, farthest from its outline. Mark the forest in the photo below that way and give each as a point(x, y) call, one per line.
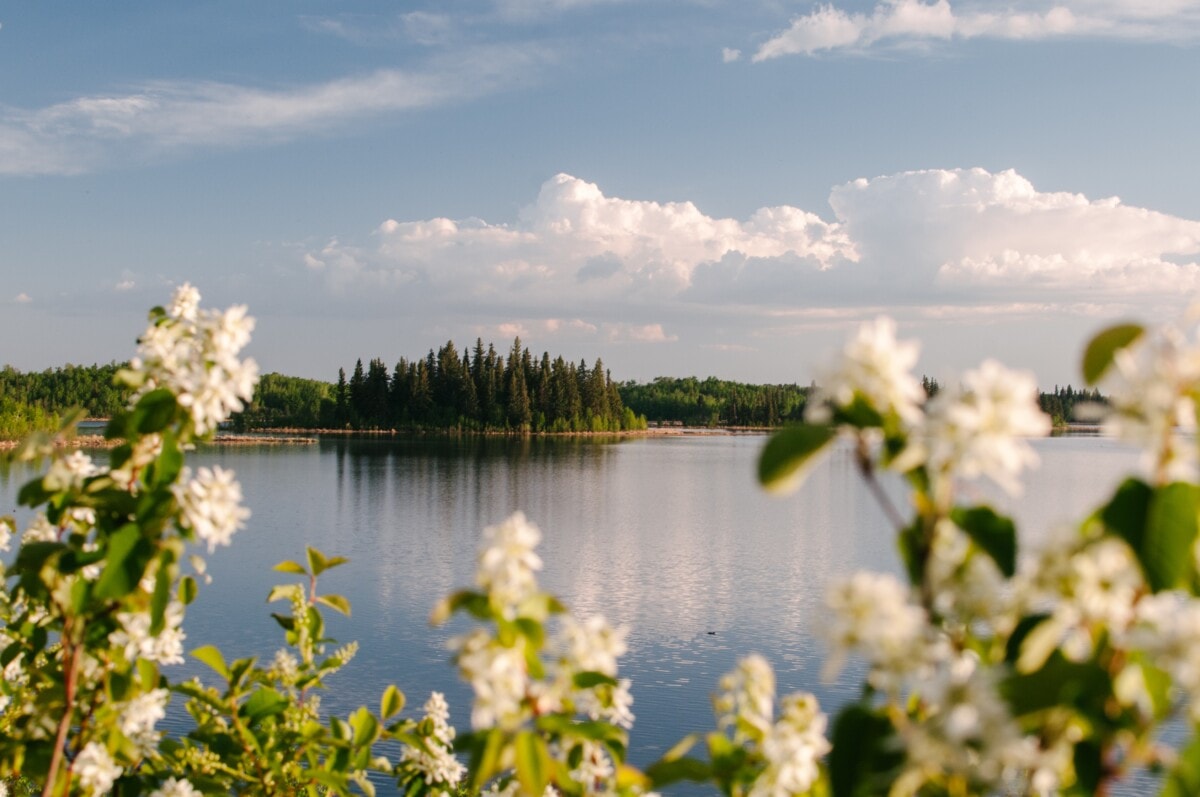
point(479, 390)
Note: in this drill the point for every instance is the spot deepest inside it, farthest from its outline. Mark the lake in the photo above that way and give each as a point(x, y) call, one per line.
point(668, 536)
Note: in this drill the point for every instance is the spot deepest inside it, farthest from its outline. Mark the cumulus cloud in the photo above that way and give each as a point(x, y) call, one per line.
point(581, 264)
point(90, 132)
point(903, 23)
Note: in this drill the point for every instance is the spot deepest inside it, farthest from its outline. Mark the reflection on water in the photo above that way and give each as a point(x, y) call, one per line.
point(668, 536)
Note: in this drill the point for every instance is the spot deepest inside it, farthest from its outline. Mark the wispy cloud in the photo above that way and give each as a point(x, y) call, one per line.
point(905, 23)
point(163, 117)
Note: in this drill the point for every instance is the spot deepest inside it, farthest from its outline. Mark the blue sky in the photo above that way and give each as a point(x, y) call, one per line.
point(706, 187)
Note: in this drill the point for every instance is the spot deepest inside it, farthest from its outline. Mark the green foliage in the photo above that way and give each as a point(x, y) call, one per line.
point(715, 402)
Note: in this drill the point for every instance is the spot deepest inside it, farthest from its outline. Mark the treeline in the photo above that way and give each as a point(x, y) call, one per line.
point(715, 402)
point(481, 390)
point(36, 400)
point(1061, 404)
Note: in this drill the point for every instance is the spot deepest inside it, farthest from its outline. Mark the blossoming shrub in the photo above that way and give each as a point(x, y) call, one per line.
point(986, 673)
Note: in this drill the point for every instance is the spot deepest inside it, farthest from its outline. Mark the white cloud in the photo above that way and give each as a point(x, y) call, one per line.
point(89, 132)
point(909, 22)
point(638, 270)
point(125, 285)
point(729, 55)
point(23, 298)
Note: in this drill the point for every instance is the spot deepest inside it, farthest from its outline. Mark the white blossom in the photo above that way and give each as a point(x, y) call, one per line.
point(434, 758)
point(134, 636)
point(95, 769)
point(877, 367)
point(595, 769)
point(1168, 629)
point(6, 533)
point(747, 697)
point(1151, 389)
point(194, 354)
point(793, 748)
point(211, 505)
point(507, 563)
point(139, 717)
point(145, 450)
point(498, 676)
point(69, 472)
point(172, 787)
point(873, 613)
point(980, 428)
point(39, 530)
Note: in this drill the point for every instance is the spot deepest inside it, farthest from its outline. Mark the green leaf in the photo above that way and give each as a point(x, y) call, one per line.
point(1100, 351)
point(864, 752)
point(1171, 528)
point(1089, 766)
point(664, 772)
point(1059, 682)
point(265, 702)
point(124, 570)
point(213, 658)
point(187, 590)
point(288, 566)
point(335, 602)
point(282, 592)
point(995, 534)
point(317, 563)
point(162, 594)
point(533, 762)
point(366, 727)
point(586, 680)
point(789, 454)
point(391, 703)
point(154, 411)
point(286, 622)
point(1160, 526)
point(474, 602)
point(1126, 513)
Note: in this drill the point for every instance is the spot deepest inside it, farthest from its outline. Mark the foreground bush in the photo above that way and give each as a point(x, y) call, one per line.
point(987, 673)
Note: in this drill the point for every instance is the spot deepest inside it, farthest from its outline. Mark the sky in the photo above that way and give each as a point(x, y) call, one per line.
point(681, 187)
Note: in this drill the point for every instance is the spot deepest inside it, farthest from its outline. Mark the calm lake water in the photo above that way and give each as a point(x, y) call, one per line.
point(670, 537)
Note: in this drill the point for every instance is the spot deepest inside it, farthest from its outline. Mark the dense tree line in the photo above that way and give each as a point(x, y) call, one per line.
point(715, 402)
point(1062, 403)
point(287, 401)
point(481, 389)
point(36, 400)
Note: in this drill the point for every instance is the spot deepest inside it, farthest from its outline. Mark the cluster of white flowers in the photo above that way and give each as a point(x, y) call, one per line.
point(146, 449)
point(139, 717)
point(746, 699)
point(595, 769)
point(6, 533)
point(508, 565)
point(592, 645)
point(873, 613)
point(194, 353)
point(211, 505)
point(95, 769)
point(39, 530)
point(793, 748)
point(1151, 399)
point(435, 758)
point(1089, 585)
point(173, 787)
point(69, 472)
point(134, 636)
point(966, 585)
point(979, 428)
point(1167, 628)
point(498, 676)
point(965, 729)
point(877, 367)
